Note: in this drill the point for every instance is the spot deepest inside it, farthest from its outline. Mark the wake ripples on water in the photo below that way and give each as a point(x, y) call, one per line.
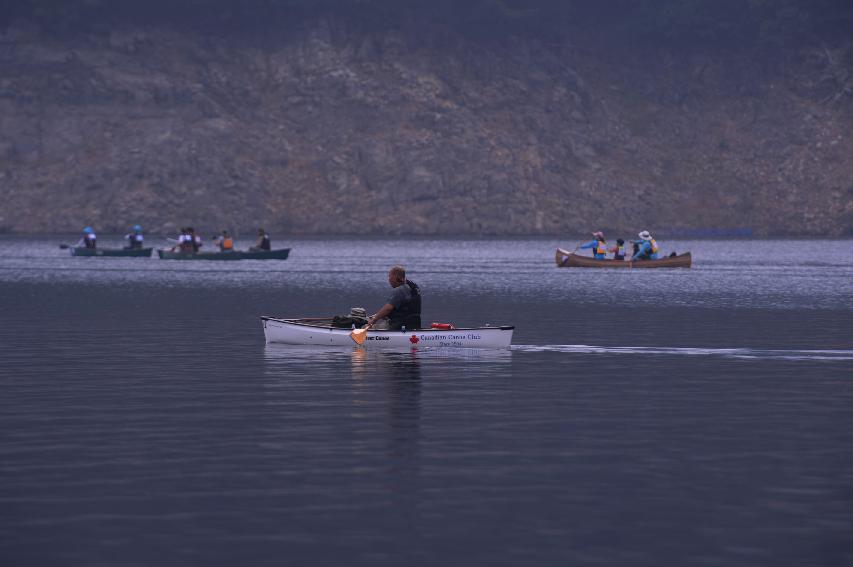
point(762, 354)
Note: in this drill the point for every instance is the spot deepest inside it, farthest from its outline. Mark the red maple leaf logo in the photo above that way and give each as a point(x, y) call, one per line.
point(413, 339)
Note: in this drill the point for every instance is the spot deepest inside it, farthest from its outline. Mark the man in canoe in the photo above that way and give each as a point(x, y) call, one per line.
point(186, 242)
point(195, 239)
point(88, 240)
point(403, 308)
point(135, 239)
point(263, 243)
point(598, 245)
point(183, 243)
point(648, 247)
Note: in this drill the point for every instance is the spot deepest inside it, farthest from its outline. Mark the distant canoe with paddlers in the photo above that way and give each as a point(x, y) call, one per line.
point(566, 259)
point(226, 256)
point(122, 252)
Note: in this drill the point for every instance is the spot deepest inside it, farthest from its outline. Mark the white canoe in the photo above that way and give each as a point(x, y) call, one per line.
point(318, 332)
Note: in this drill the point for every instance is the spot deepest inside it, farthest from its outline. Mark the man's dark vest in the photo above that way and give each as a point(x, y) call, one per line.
point(409, 313)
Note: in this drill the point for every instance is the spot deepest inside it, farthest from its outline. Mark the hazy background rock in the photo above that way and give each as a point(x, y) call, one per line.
point(327, 129)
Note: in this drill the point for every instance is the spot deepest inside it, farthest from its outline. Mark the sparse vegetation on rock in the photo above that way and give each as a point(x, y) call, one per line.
point(326, 120)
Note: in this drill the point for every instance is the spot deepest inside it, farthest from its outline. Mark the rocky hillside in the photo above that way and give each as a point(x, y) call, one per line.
point(328, 129)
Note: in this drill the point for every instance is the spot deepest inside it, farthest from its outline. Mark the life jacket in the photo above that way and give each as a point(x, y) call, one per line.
point(135, 240)
point(619, 252)
point(600, 248)
point(654, 246)
point(409, 313)
point(185, 242)
point(265, 243)
point(91, 241)
point(227, 244)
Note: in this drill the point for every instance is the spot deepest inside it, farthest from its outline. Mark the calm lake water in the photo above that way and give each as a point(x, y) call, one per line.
point(684, 417)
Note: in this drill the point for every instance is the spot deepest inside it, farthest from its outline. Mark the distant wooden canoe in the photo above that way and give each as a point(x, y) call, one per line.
point(566, 259)
point(98, 252)
point(235, 255)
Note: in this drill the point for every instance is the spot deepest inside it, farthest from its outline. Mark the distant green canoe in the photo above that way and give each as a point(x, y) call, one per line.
point(235, 255)
point(125, 252)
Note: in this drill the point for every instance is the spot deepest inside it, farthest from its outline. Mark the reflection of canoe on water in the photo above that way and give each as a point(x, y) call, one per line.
point(235, 255)
point(566, 259)
point(126, 252)
point(320, 332)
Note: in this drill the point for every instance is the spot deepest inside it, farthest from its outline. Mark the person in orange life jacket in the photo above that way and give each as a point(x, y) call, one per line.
point(135, 238)
point(263, 242)
point(403, 308)
point(648, 247)
point(88, 240)
point(225, 242)
point(598, 245)
point(618, 250)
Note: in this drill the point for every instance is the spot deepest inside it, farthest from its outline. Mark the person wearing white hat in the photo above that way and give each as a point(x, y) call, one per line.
point(648, 247)
point(598, 245)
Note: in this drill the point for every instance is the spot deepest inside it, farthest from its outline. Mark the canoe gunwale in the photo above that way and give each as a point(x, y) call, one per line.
point(230, 256)
point(566, 259)
point(82, 252)
point(301, 322)
point(318, 332)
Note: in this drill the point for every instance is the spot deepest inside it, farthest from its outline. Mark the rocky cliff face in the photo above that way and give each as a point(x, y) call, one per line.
point(329, 131)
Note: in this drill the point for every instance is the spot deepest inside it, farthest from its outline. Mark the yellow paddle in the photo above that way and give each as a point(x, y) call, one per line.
point(358, 335)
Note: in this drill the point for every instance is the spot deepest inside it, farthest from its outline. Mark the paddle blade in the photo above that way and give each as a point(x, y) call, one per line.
point(359, 336)
point(64, 247)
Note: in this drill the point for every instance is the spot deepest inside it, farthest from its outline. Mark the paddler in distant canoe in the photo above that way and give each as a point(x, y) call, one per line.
point(598, 245)
point(403, 308)
point(648, 247)
point(618, 251)
point(183, 244)
point(88, 240)
point(195, 239)
point(263, 243)
point(225, 242)
point(135, 239)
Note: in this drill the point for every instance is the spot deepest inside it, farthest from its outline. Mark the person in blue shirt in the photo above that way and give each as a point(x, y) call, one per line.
point(598, 245)
point(648, 247)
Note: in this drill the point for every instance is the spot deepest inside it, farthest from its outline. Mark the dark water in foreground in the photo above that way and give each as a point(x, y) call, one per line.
point(690, 417)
